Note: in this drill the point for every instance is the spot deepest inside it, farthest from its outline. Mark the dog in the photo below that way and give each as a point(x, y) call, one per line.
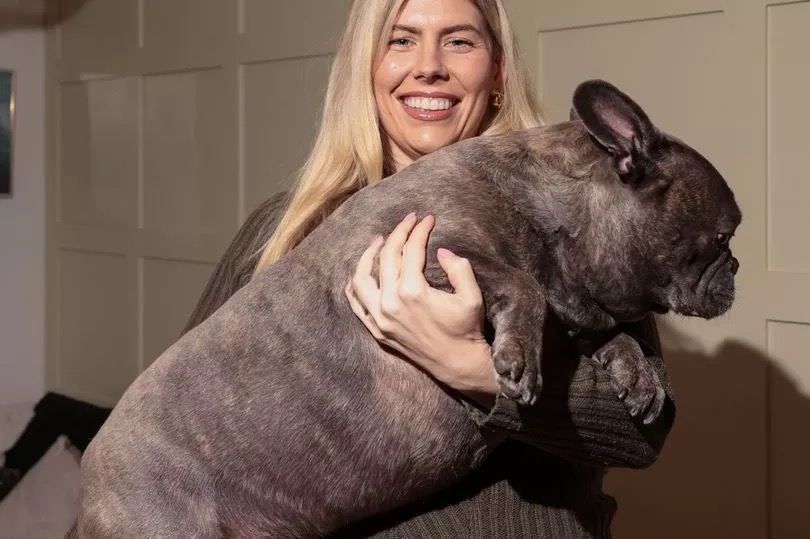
point(281, 416)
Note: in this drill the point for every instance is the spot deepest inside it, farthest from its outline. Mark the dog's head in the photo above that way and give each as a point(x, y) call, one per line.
point(660, 217)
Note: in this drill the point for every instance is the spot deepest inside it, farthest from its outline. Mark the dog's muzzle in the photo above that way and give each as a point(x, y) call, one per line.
point(715, 292)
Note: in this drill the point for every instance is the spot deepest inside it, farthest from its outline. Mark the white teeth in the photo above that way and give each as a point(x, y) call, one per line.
point(428, 103)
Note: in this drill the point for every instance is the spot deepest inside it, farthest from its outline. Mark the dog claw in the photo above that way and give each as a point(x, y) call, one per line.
point(656, 407)
point(522, 392)
point(517, 370)
point(636, 382)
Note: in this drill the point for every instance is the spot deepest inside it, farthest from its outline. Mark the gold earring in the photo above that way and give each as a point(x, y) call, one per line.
point(497, 99)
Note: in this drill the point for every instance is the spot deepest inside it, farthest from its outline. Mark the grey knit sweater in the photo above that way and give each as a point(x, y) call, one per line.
point(546, 480)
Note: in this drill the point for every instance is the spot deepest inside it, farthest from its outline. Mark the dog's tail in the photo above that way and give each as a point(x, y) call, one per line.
point(74, 532)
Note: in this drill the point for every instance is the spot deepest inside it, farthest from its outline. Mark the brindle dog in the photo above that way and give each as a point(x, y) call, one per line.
point(281, 416)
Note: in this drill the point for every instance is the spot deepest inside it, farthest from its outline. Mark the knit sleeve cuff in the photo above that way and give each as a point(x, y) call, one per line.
point(583, 421)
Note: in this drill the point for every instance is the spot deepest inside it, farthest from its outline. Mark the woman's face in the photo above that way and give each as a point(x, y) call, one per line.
point(434, 82)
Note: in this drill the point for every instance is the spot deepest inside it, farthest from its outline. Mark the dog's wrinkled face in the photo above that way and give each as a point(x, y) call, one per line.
point(672, 220)
point(695, 265)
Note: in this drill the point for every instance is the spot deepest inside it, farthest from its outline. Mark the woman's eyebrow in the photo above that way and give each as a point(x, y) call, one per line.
point(444, 31)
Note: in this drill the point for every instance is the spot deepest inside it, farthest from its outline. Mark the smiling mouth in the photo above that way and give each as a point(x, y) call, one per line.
point(428, 109)
point(428, 103)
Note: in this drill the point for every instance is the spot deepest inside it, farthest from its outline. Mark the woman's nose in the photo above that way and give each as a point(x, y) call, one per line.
point(430, 65)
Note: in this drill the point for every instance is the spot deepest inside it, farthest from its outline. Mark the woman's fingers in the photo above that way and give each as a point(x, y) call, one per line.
point(363, 284)
point(390, 269)
point(412, 282)
point(365, 265)
point(391, 253)
point(430, 328)
point(362, 313)
point(362, 290)
point(461, 276)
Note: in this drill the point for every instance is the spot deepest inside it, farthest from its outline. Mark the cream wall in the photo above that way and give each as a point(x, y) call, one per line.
point(22, 224)
point(168, 122)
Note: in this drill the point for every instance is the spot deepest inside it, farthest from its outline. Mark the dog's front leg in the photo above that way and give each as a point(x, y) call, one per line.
point(635, 380)
point(515, 305)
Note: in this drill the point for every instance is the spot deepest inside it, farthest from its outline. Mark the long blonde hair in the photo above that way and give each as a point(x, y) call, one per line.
point(348, 153)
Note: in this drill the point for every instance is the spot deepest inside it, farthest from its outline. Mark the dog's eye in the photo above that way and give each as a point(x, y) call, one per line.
point(721, 240)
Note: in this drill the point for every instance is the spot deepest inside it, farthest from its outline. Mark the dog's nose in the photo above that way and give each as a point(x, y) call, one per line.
point(735, 265)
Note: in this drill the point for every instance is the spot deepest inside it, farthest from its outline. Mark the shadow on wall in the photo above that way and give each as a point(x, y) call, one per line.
point(21, 14)
point(738, 448)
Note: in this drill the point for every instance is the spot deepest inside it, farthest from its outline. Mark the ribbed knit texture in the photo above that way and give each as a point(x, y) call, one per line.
point(519, 492)
point(548, 487)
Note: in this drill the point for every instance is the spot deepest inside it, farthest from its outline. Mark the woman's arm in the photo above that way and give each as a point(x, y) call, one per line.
point(235, 268)
point(578, 416)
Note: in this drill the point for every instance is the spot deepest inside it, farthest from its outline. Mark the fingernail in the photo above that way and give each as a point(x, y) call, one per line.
point(377, 240)
point(410, 216)
point(445, 253)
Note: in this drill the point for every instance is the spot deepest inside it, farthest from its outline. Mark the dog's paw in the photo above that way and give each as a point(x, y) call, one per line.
point(634, 378)
point(517, 369)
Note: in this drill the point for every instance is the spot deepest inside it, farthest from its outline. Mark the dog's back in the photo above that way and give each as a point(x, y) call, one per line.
point(270, 414)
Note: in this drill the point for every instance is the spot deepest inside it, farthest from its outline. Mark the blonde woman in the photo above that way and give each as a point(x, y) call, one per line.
point(410, 77)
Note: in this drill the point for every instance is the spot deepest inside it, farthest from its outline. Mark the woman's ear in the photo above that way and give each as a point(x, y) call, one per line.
point(500, 73)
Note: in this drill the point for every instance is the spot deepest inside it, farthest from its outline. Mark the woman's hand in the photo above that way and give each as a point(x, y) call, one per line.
point(439, 331)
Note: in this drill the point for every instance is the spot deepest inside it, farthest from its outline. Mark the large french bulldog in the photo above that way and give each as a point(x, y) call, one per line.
point(281, 416)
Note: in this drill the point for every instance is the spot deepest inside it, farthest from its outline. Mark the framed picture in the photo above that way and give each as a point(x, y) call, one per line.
point(6, 129)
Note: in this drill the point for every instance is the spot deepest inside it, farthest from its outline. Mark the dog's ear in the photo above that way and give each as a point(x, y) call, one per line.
point(572, 115)
point(616, 122)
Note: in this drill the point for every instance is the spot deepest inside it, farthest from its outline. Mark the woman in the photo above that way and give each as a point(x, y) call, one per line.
point(411, 77)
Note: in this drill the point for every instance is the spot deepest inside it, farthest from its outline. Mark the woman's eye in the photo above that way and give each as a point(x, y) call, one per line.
point(460, 43)
point(399, 42)
point(722, 240)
